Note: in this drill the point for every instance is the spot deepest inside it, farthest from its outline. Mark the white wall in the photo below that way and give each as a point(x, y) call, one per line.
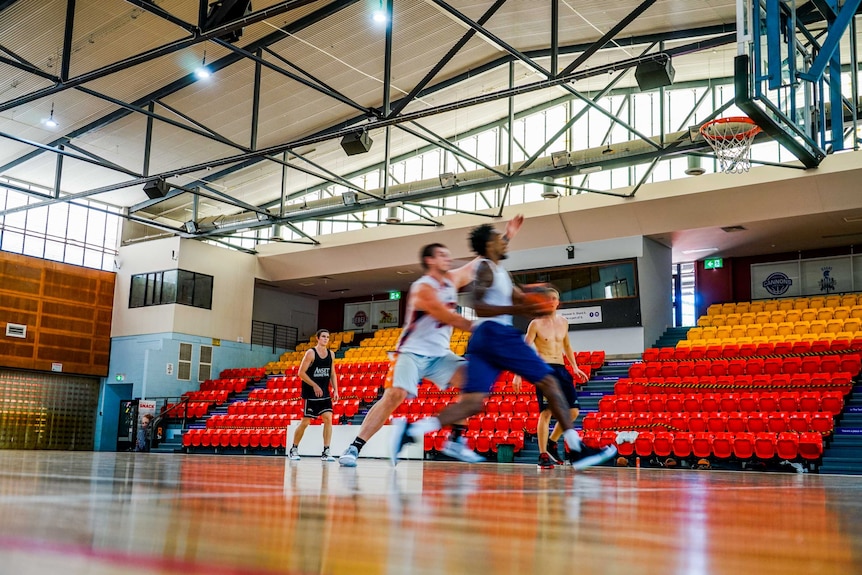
point(273, 306)
point(233, 292)
point(152, 256)
point(655, 286)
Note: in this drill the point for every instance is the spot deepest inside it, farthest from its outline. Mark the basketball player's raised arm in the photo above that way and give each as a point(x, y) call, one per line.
point(303, 368)
point(425, 299)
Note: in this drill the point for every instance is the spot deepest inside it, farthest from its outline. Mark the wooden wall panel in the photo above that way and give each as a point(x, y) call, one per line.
point(67, 310)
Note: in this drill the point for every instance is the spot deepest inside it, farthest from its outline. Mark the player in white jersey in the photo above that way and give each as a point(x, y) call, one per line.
point(497, 346)
point(423, 349)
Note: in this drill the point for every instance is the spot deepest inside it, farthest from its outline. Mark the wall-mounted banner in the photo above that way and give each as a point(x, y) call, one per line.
point(592, 314)
point(385, 313)
point(817, 276)
point(357, 316)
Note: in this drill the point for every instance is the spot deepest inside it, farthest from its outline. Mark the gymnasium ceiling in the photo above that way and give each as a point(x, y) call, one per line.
point(119, 79)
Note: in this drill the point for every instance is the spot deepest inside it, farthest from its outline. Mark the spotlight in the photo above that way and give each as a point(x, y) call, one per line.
point(447, 180)
point(349, 198)
point(191, 227)
point(50, 121)
point(262, 217)
point(380, 16)
point(202, 72)
point(224, 11)
point(590, 170)
point(392, 216)
point(560, 159)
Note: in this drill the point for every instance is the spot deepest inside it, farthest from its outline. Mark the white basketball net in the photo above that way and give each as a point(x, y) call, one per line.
point(731, 140)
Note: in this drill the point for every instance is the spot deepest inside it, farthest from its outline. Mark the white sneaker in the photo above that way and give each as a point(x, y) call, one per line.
point(325, 456)
point(293, 454)
point(399, 438)
point(461, 452)
point(348, 458)
point(593, 457)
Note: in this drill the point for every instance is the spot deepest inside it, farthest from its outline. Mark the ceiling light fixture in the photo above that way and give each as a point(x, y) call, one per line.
point(203, 72)
point(699, 250)
point(50, 121)
point(379, 15)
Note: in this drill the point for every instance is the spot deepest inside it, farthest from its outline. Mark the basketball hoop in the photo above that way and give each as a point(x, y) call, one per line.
point(731, 139)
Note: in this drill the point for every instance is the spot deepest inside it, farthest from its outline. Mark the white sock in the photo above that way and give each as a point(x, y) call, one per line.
point(419, 428)
point(573, 440)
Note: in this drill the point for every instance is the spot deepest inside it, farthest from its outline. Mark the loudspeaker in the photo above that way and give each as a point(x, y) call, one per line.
point(357, 143)
point(156, 189)
point(224, 11)
point(654, 74)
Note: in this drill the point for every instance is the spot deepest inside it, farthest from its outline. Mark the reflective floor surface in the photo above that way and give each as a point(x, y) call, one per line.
point(101, 513)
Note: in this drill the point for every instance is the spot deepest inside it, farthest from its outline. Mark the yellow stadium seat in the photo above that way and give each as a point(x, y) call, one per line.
point(785, 304)
point(832, 301)
point(769, 329)
point(785, 328)
point(753, 330)
point(852, 324)
point(826, 312)
point(733, 319)
point(737, 331)
point(706, 320)
point(727, 308)
point(722, 332)
point(817, 326)
point(841, 312)
point(849, 300)
point(743, 306)
point(708, 332)
point(762, 317)
point(856, 311)
point(808, 314)
point(801, 303)
point(794, 315)
point(778, 316)
point(756, 306)
point(714, 309)
point(694, 333)
point(718, 319)
point(747, 318)
point(816, 302)
point(802, 326)
point(742, 340)
point(770, 305)
point(684, 344)
point(759, 339)
point(835, 325)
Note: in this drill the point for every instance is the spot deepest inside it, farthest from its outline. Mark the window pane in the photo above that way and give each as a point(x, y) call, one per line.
point(95, 228)
point(139, 288)
point(169, 286)
point(77, 224)
point(54, 251)
point(74, 255)
point(203, 291)
point(185, 287)
point(93, 259)
point(34, 246)
point(37, 220)
point(12, 241)
point(57, 215)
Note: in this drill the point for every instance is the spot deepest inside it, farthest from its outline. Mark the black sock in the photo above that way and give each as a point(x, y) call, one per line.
point(457, 432)
point(552, 449)
point(358, 444)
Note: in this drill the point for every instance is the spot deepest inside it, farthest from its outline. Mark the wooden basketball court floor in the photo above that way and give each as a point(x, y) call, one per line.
point(106, 513)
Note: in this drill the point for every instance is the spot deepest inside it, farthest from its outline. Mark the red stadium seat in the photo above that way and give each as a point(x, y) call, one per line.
point(682, 444)
point(743, 446)
point(662, 443)
point(701, 444)
point(764, 445)
point(722, 445)
point(644, 443)
point(810, 445)
point(787, 445)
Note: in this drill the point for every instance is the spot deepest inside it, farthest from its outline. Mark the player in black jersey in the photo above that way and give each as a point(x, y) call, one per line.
point(317, 372)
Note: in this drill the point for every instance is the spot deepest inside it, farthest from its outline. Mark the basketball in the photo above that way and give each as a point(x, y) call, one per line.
point(541, 295)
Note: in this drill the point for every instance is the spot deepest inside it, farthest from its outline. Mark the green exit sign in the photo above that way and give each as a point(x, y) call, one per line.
point(395, 295)
point(713, 263)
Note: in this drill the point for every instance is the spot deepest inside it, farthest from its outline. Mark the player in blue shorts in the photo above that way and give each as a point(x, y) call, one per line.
point(497, 346)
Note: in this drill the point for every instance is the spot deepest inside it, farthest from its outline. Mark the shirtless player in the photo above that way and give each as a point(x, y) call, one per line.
point(549, 336)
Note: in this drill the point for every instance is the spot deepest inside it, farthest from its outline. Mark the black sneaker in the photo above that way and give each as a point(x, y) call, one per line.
point(546, 461)
point(553, 453)
point(590, 456)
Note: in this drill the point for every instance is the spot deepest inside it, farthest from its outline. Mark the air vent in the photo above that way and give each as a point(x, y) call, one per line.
point(339, 290)
point(731, 229)
point(16, 330)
